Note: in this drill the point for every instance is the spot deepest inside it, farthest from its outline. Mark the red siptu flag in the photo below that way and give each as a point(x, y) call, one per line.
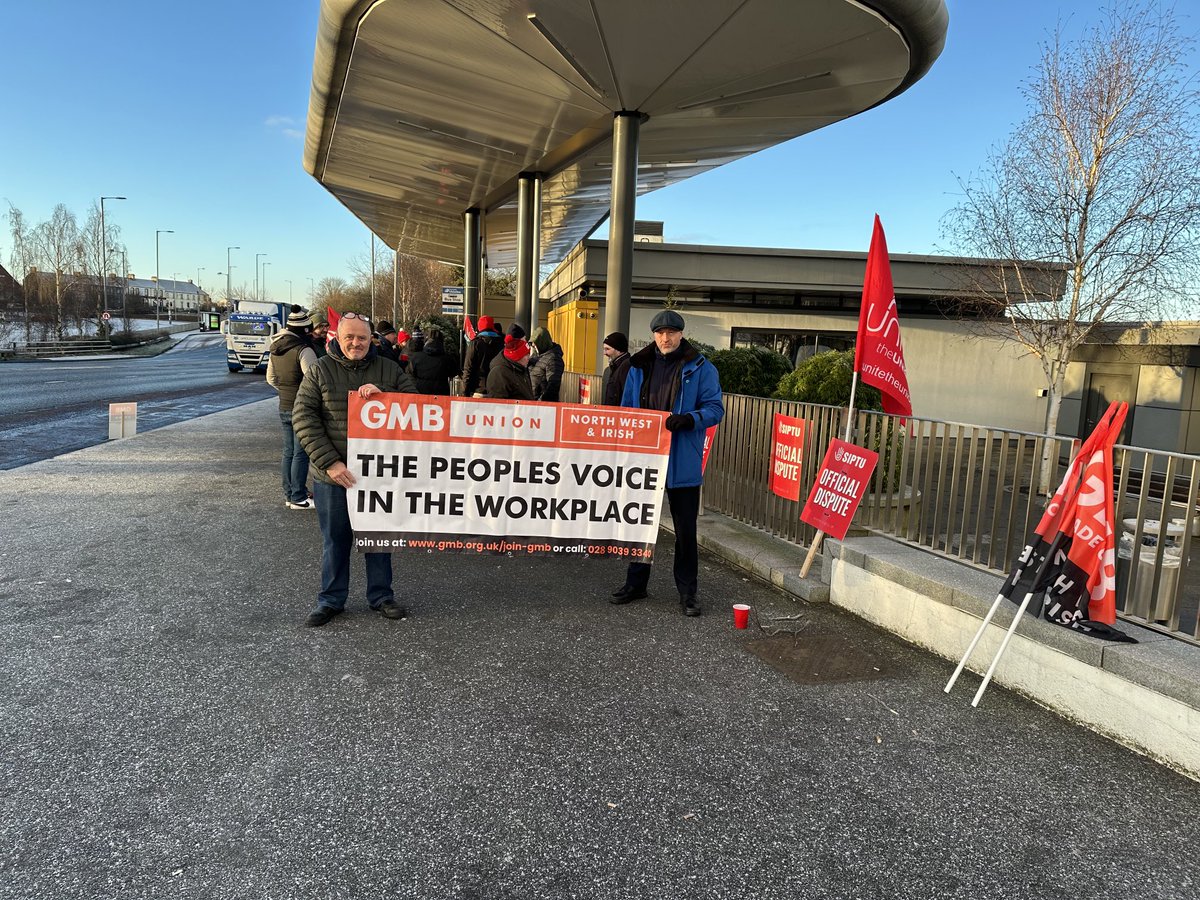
point(879, 355)
point(468, 328)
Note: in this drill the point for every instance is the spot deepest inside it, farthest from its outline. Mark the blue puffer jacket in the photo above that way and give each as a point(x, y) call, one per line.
point(698, 392)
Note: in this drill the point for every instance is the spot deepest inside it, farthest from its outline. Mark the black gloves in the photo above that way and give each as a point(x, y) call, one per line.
point(680, 422)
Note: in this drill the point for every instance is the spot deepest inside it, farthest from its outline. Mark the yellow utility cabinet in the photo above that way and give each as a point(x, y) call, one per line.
point(575, 325)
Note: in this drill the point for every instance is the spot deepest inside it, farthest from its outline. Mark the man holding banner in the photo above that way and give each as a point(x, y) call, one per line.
point(319, 418)
point(672, 376)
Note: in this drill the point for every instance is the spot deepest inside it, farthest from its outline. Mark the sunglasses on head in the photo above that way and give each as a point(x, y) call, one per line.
point(354, 315)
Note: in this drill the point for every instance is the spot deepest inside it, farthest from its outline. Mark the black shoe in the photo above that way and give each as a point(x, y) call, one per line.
point(691, 606)
point(626, 594)
point(321, 616)
point(390, 609)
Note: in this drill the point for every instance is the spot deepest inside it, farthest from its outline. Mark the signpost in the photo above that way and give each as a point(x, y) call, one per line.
point(122, 420)
point(453, 301)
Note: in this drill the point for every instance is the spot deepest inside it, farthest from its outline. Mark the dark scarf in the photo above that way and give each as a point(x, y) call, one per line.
point(664, 379)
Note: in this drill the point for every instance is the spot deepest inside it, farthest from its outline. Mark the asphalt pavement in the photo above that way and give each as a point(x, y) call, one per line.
point(168, 727)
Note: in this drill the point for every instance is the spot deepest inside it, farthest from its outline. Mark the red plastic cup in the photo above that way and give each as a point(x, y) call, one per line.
point(741, 615)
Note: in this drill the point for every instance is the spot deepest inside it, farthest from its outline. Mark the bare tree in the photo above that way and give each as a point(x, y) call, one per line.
point(58, 248)
point(94, 249)
point(407, 288)
point(335, 293)
point(22, 258)
point(1097, 189)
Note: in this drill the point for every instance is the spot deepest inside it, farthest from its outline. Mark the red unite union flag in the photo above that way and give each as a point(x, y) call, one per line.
point(879, 354)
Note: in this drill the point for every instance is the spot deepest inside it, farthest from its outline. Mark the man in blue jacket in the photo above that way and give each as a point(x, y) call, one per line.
point(671, 375)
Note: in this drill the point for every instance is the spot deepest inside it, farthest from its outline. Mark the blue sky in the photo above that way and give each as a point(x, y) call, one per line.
point(195, 112)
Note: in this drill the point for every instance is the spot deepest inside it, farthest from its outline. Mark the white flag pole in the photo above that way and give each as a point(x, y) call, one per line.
point(987, 679)
point(1038, 579)
point(974, 642)
point(850, 411)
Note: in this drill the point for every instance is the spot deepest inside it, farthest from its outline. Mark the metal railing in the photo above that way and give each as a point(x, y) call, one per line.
point(967, 492)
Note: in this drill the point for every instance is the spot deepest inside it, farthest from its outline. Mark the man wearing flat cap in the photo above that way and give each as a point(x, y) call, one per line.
point(672, 376)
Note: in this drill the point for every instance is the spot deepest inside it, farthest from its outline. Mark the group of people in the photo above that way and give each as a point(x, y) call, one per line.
point(508, 366)
point(424, 358)
point(668, 374)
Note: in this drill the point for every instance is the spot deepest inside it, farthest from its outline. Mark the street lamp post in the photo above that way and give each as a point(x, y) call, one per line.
point(289, 284)
point(312, 289)
point(125, 291)
point(104, 257)
point(257, 256)
point(171, 302)
point(157, 282)
point(228, 270)
point(264, 279)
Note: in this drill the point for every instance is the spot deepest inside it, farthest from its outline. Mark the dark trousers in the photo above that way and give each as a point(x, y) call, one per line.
point(337, 540)
point(685, 507)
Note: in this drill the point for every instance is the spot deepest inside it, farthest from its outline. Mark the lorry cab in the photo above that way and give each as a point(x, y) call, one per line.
point(248, 340)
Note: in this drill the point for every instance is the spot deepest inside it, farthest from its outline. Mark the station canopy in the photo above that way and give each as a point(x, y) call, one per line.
point(423, 109)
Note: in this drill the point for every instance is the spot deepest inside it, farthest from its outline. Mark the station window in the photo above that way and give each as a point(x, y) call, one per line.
point(795, 344)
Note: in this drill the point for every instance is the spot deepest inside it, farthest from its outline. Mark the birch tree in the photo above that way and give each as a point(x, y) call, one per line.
point(1097, 190)
point(58, 249)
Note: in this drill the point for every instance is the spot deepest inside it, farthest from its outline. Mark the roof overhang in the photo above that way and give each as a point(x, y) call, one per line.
point(424, 109)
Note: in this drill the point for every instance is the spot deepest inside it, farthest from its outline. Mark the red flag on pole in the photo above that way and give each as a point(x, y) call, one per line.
point(1069, 564)
point(332, 316)
point(1071, 558)
point(879, 355)
point(468, 328)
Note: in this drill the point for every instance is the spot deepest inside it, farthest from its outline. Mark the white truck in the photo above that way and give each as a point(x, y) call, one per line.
point(248, 332)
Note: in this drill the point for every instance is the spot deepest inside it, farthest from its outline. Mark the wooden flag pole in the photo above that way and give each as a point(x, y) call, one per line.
point(812, 552)
point(815, 547)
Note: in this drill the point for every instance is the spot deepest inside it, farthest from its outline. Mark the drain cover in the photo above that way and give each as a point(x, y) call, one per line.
point(820, 658)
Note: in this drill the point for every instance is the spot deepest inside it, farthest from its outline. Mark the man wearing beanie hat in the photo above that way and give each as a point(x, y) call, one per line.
point(291, 356)
point(508, 377)
point(385, 341)
point(480, 352)
point(671, 375)
point(616, 351)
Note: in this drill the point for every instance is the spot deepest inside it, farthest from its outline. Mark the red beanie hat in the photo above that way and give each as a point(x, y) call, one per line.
point(485, 323)
point(515, 348)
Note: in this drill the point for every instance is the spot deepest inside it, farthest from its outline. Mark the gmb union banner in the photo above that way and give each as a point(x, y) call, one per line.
point(504, 476)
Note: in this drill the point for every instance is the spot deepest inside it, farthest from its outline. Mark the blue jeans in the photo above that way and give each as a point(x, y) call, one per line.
point(337, 543)
point(295, 462)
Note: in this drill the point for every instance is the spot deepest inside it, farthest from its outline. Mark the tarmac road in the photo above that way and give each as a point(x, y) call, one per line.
point(51, 407)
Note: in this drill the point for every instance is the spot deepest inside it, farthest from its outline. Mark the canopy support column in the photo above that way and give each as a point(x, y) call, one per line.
point(618, 291)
